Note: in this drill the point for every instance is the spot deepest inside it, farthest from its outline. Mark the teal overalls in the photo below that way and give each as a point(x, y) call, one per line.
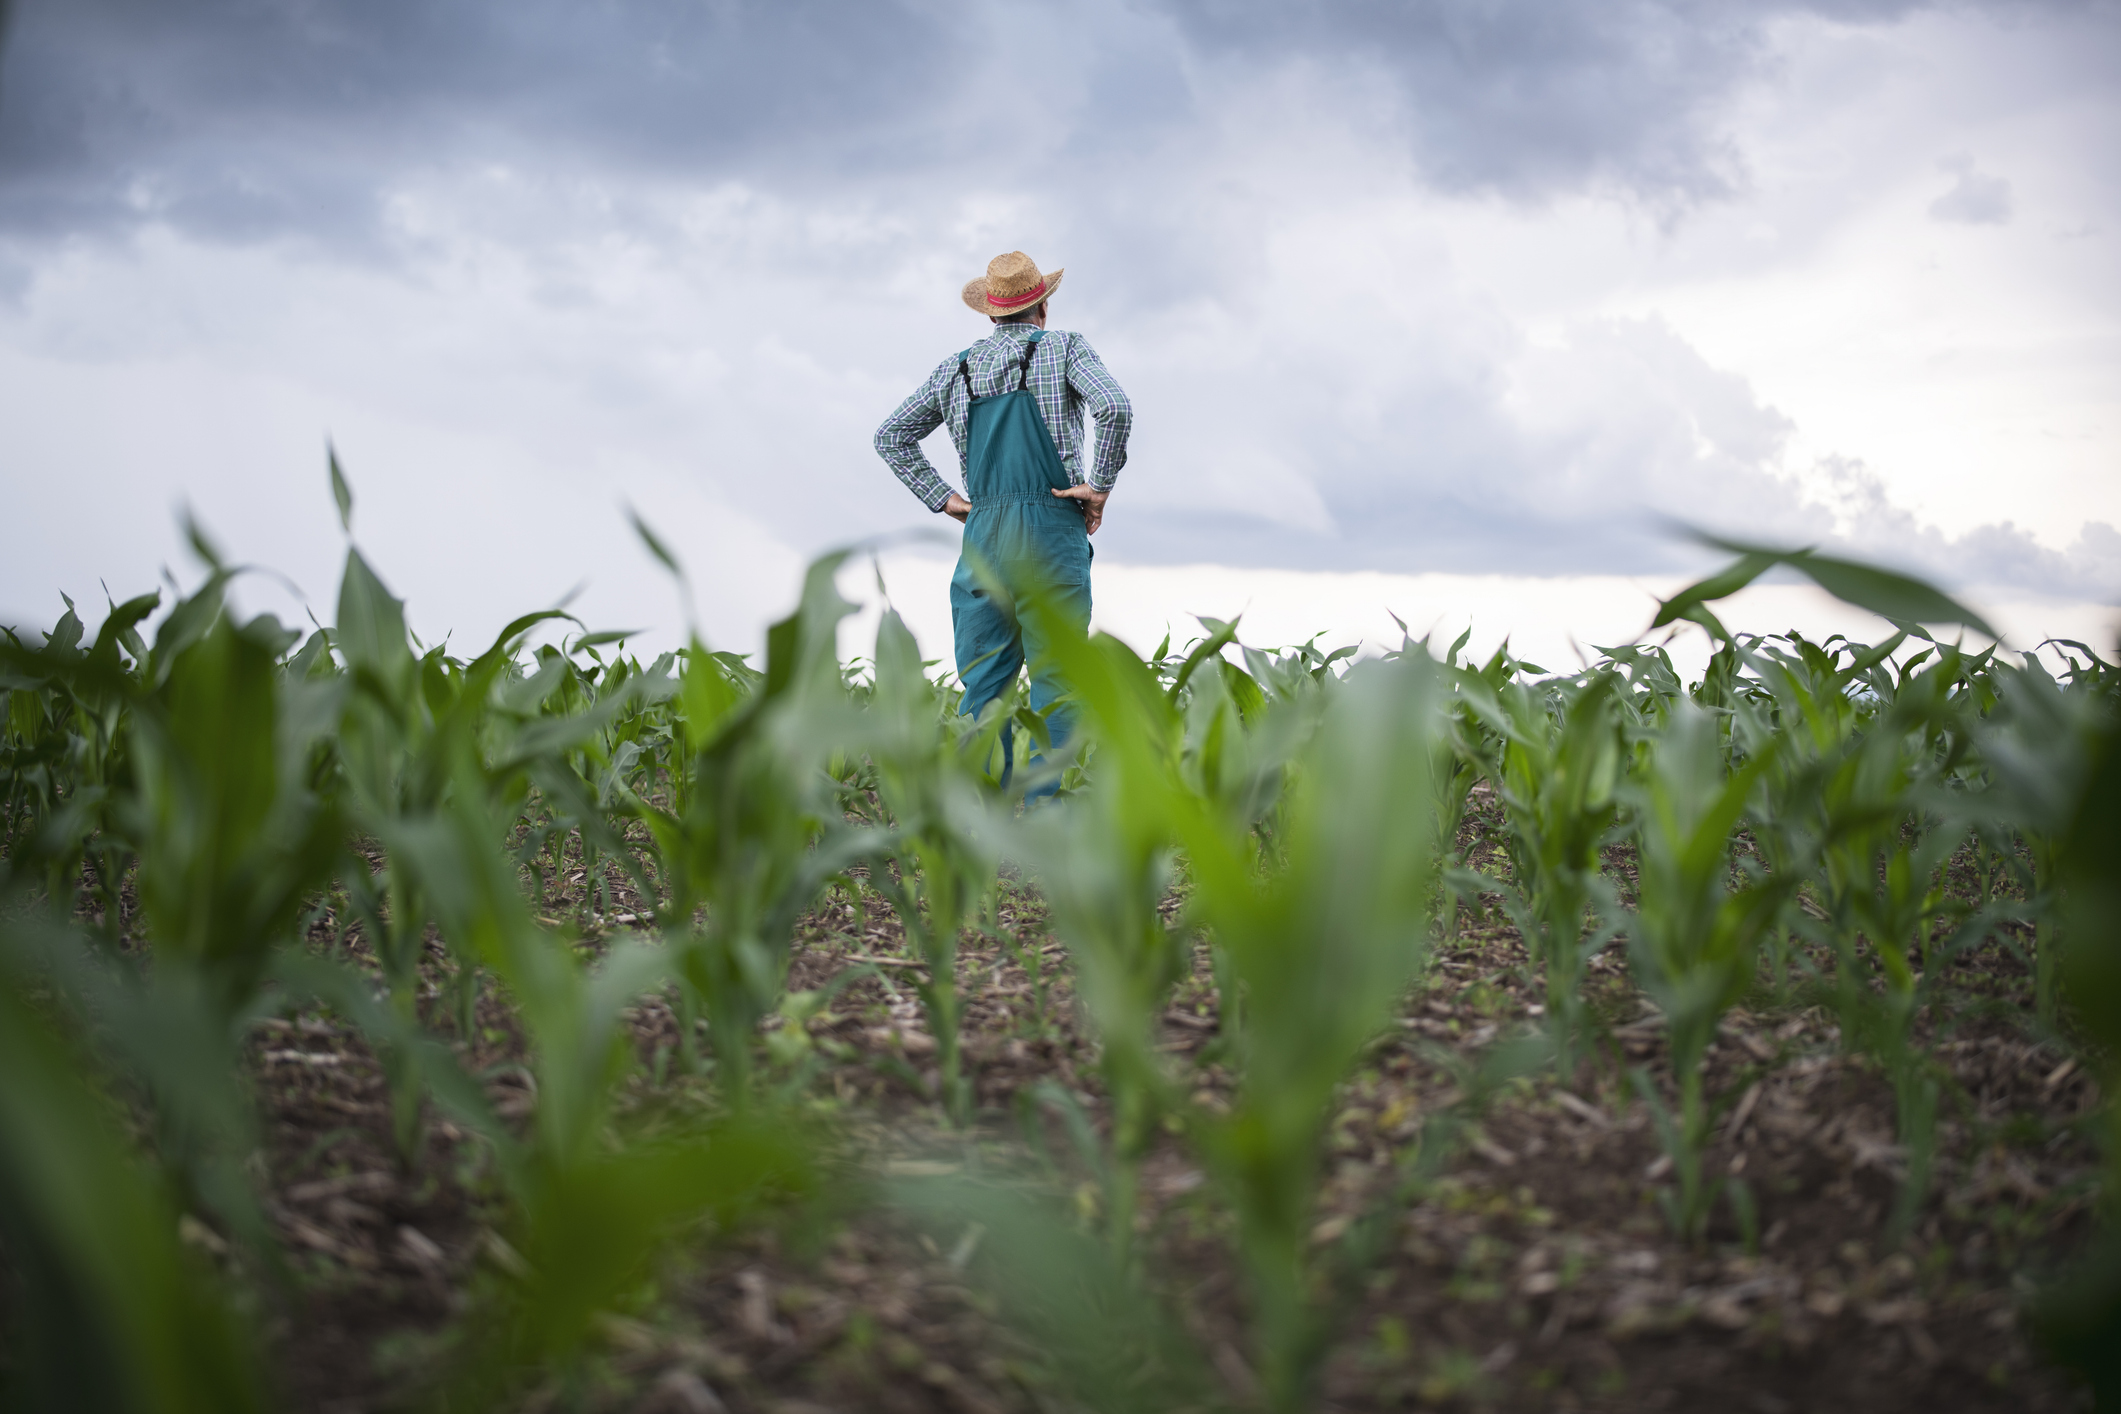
point(1025, 536)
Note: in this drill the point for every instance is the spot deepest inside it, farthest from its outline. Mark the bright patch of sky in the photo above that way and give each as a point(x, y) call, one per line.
point(1447, 308)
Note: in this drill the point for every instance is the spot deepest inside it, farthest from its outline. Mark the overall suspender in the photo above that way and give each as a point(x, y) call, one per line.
point(1023, 376)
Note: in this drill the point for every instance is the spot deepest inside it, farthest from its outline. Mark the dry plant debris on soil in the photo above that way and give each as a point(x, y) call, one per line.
point(1536, 1273)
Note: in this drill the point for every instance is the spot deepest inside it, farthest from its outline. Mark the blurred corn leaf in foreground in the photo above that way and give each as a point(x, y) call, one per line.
point(2080, 1319)
point(111, 1314)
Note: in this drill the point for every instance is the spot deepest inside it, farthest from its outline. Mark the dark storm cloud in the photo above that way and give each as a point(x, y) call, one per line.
point(236, 118)
point(1529, 98)
point(240, 118)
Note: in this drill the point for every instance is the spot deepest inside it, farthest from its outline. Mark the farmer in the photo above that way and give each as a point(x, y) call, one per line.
point(1015, 403)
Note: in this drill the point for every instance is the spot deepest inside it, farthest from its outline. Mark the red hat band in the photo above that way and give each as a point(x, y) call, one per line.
point(1019, 300)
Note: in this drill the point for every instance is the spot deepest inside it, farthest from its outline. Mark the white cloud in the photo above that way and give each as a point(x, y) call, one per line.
point(1975, 199)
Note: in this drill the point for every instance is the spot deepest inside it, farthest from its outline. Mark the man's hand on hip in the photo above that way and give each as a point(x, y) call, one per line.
point(957, 508)
point(1093, 505)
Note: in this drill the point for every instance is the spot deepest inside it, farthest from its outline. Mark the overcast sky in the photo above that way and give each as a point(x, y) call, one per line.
point(1460, 288)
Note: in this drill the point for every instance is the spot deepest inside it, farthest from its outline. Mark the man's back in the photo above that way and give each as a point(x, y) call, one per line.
point(1068, 378)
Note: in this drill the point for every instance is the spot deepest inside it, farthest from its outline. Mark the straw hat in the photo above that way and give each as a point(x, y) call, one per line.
point(1011, 285)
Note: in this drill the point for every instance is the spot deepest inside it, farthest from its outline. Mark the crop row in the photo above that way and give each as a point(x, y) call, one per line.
point(181, 817)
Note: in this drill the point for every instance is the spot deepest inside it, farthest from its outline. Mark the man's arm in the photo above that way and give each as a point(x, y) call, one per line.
point(1108, 406)
point(1100, 391)
point(898, 442)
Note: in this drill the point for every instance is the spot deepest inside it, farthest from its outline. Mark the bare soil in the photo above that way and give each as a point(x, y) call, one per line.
point(1537, 1274)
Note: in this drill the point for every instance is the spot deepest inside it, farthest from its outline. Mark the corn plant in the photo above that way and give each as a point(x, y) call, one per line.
point(2038, 750)
point(113, 1313)
point(1870, 806)
point(1455, 769)
point(1558, 772)
point(926, 779)
point(1879, 856)
point(205, 782)
point(577, 734)
point(65, 733)
point(406, 725)
point(1325, 942)
point(1105, 862)
point(1236, 737)
point(1798, 712)
point(1237, 743)
point(589, 1217)
point(1694, 938)
point(2078, 1317)
point(1113, 1345)
point(231, 836)
point(1464, 753)
point(751, 829)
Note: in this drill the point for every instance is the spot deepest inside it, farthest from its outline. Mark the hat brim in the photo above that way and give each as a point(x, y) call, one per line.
point(975, 296)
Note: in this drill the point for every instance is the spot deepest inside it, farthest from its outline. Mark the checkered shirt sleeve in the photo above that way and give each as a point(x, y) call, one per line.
point(1069, 380)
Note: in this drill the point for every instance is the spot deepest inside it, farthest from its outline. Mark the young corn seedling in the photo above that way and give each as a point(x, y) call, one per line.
point(406, 727)
point(108, 1310)
point(63, 742)
point(1105, 864)
point(1802, 720)
point(595, 1200)
point(1325, 945)
point(2037, 748)
point(1880, 845)
point(1558, 773)
point(1236, 740)
point(752, 829)
point(1883, 852)
point(1114, 1346)
point(928, 786)
point(215, 802)
point(1849, 813)
point(1465, 749)
point(2078, 1318)
point(1694, 938)
point(1235, 756)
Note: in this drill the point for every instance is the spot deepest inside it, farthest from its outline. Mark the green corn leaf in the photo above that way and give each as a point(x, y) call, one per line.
point(1901, 598)
point(371, 629)
point(341, 493)
point(504, 642)
point(189, 620)
point(1721, 585)
point(113, 1314)
point(1897, 597)
point(656, 547)
point(602, 637)
point(204, 548)
point(1219, 636)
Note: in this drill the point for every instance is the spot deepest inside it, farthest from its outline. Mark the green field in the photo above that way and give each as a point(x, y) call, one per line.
point(551, 1030)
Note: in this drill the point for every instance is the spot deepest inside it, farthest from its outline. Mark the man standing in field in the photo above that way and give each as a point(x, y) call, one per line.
point(1015, 403)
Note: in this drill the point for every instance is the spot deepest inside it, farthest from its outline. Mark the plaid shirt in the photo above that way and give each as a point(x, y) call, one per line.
point(1066, 375)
